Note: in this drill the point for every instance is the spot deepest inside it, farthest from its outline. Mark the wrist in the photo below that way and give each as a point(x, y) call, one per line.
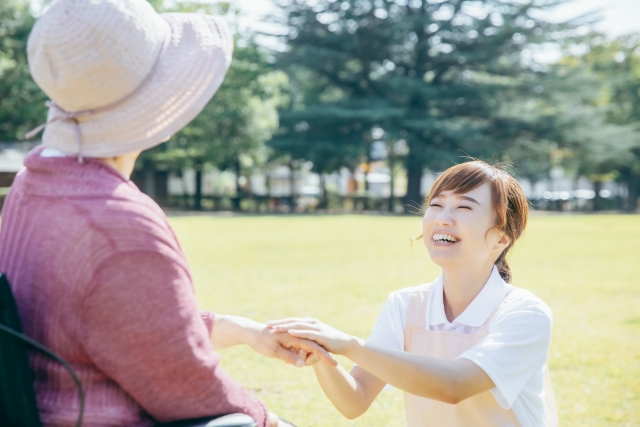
point(352, 347)
point(235, 330)
point(251, 331)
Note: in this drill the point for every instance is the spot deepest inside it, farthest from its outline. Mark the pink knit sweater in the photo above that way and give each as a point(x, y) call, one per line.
point(100, 278)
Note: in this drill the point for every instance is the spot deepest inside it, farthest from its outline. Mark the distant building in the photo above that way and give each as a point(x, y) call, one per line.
point(12, 155)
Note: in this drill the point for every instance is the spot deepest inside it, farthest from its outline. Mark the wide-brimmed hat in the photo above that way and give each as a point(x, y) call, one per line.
point(121, 77)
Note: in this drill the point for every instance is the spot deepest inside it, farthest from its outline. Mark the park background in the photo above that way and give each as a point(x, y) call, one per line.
point(302, 180)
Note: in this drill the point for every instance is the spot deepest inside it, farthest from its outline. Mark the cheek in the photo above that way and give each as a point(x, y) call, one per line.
point(428, 220)
point(425, 222)
point(473, 235)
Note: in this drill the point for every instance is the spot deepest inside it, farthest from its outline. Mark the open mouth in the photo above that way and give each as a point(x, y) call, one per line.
point(442, 238)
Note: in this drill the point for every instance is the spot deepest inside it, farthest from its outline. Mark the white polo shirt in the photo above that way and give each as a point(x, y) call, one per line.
point(514, 352)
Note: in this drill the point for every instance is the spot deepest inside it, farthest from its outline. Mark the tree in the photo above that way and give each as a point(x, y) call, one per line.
point(21, 100)
point(231, 130)
point(607, 143)
point(436, 74)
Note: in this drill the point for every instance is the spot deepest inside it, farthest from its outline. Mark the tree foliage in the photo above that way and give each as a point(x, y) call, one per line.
point(441, 75)
point(606, 143)
point(231, 130)
point(21, 100)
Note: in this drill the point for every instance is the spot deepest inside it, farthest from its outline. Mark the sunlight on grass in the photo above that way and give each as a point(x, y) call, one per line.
point(340, 269)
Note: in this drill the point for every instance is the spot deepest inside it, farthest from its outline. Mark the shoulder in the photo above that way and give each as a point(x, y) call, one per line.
point(522, 307)
point(123, 222)
point(128, 214)
point(519, 298)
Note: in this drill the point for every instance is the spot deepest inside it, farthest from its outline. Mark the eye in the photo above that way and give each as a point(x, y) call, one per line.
point(435, 204)
point(465, 207)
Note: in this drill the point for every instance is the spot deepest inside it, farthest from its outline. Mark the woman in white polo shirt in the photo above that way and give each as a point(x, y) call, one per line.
point(468, 349)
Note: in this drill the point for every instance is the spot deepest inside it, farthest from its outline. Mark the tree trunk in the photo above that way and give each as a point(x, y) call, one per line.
point(633, 190)
point(597, 200)
point(292, 187)
point(323, 203)
point(414, 164)
point(366, 177)
point(197, 198)
point(236, 199)
point(149, 179)
point(267, 182)
point(391, 184)
point(161, 178)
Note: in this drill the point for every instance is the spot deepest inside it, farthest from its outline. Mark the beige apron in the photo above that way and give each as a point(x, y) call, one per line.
point(481, 410)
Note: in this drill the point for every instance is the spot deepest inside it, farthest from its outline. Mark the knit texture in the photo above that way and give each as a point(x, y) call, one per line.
point(99, 277)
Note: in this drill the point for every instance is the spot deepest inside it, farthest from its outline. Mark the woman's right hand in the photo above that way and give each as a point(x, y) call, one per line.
point(331, 339)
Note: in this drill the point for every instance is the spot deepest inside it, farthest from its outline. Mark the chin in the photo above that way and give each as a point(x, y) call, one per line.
point(441, 259)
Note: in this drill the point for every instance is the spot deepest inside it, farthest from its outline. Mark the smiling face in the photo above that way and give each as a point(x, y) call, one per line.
point(458, 228)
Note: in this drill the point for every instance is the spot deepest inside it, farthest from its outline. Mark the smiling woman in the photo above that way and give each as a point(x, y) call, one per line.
point(470, 191)
point(468, 348)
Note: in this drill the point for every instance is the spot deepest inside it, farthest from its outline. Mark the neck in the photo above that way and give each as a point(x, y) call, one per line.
point(123, 163)
point(461, 285)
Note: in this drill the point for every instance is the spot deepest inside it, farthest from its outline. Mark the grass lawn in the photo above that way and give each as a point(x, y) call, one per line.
point(340, 269)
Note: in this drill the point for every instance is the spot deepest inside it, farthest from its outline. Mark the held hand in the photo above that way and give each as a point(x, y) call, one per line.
point(288, 348)
point(311, 329)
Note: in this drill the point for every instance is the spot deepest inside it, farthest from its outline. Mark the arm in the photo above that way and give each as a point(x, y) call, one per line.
point(141, 328)
point(443, 380)
point(446, 381)
point(351, 393)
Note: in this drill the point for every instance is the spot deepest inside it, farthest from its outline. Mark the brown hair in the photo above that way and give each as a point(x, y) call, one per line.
point(507, 197)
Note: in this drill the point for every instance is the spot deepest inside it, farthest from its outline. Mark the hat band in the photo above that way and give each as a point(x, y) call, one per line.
point(71, 116)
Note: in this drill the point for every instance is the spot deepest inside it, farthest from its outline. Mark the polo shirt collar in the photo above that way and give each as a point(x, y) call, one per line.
point(477, 313)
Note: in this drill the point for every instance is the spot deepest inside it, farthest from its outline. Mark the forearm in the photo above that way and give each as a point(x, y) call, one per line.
point(344, 391)
point(446, 381)
point(229, 331)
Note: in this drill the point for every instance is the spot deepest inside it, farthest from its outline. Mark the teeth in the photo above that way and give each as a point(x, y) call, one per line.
point(439, 237)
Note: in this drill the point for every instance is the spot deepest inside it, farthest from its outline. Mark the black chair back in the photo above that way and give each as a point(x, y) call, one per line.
point(18, 407)
point(17, 398)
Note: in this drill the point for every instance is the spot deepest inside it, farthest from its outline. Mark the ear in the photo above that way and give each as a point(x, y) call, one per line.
point(503, 242)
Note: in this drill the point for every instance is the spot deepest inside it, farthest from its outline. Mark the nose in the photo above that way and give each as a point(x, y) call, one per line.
point(444, 218)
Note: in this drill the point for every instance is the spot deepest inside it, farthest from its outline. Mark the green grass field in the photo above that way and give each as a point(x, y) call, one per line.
point(340, 269)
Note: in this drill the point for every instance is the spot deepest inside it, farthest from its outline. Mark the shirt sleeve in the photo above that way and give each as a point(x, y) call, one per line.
point(209, 318)
point(388, 331)
point(142, 328)
point(515, 348)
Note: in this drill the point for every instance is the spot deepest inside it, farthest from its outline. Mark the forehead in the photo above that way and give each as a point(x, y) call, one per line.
point(483, 191)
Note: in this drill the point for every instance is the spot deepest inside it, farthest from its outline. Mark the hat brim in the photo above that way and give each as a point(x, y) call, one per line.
point(189, 72)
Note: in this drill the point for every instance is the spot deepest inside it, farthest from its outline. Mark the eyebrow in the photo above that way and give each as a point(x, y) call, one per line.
point(471, 199)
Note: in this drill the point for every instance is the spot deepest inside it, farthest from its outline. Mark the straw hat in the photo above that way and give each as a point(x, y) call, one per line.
point(121, 77)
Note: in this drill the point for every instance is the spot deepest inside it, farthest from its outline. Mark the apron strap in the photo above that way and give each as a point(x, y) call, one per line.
point(417, 310)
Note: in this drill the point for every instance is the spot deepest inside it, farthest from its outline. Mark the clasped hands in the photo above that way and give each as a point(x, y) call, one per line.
point(296, 341)
point(321, 338)
point(306, 342)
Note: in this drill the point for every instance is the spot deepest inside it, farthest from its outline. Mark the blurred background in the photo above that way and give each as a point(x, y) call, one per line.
point(356, 105)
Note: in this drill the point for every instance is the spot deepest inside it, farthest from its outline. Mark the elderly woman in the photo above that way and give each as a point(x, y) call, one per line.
point(96, 269)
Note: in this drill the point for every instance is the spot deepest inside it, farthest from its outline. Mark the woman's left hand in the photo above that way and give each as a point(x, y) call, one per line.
point(333, 340)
